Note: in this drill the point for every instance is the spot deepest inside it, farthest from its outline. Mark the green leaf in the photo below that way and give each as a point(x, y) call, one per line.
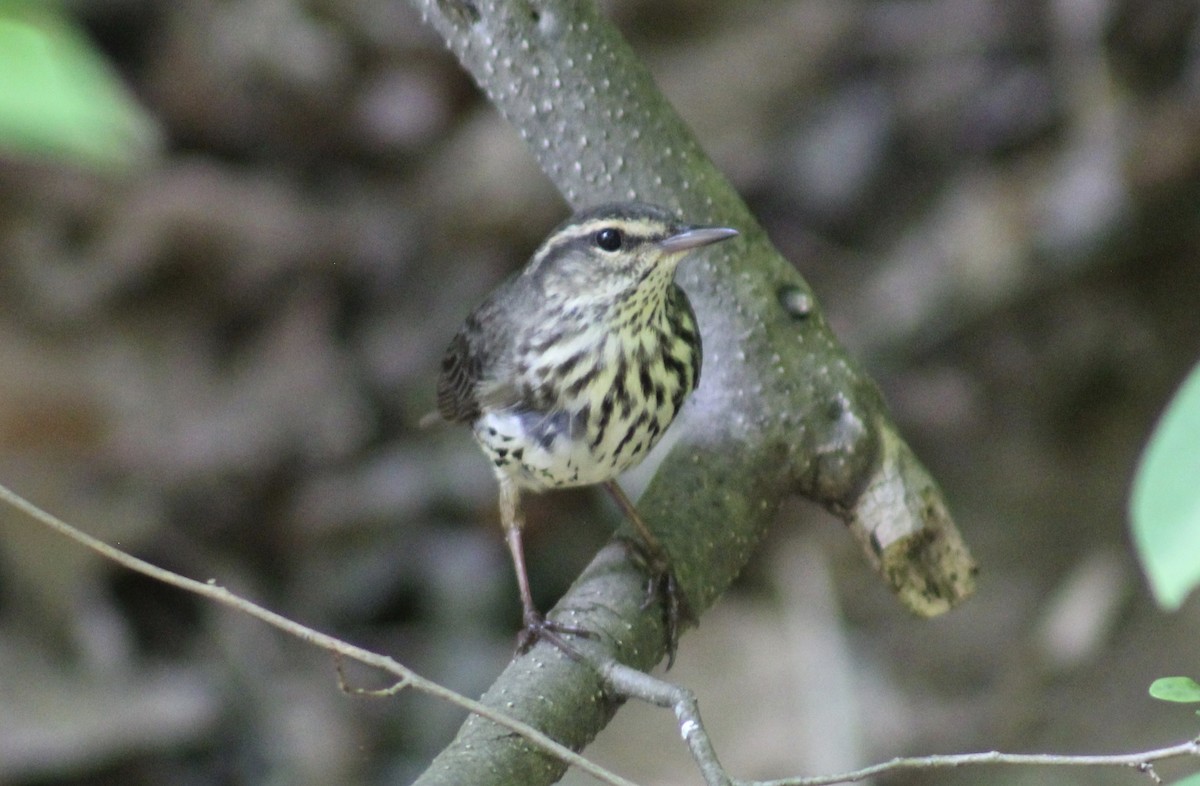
point(59, 98)
point(1165, 504)
point(1183, 690)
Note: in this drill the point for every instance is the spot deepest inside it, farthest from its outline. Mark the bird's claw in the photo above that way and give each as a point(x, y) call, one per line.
point(537, 627)
point(661, 585)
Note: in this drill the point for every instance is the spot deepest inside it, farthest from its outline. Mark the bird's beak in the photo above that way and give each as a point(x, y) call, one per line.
point(695, 237)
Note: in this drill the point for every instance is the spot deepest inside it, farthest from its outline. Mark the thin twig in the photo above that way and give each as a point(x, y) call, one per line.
point(1142, 762)
point(633, 684)
point(211, 590)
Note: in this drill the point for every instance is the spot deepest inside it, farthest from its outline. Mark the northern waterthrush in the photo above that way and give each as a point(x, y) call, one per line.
point(571, 370)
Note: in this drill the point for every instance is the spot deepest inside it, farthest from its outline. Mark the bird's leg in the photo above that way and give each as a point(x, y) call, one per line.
point(655, 560)
point(534, 625)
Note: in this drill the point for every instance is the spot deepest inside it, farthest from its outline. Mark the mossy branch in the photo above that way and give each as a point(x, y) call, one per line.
point(781, 409)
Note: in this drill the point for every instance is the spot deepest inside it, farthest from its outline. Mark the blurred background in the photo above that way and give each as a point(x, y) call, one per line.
point(218, 359)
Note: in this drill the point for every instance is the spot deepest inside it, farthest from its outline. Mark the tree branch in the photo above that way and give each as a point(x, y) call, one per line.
point(406, 677)
point(781, 409)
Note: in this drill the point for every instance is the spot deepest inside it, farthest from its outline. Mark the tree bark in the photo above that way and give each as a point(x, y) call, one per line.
point(781, 408)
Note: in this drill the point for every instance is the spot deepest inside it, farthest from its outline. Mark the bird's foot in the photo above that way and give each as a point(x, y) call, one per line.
point(661, 586)
point(537, 628)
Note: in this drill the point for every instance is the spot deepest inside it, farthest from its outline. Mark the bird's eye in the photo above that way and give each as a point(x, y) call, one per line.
point(609, 239)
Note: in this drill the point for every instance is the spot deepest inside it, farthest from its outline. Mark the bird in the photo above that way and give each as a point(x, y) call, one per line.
point(573, 368)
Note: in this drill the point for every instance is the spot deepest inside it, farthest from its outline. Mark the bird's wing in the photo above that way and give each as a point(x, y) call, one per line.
point(473, 378)
point(457, 398)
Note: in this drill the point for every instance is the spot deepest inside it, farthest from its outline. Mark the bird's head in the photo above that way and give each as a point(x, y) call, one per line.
point(617, 249)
